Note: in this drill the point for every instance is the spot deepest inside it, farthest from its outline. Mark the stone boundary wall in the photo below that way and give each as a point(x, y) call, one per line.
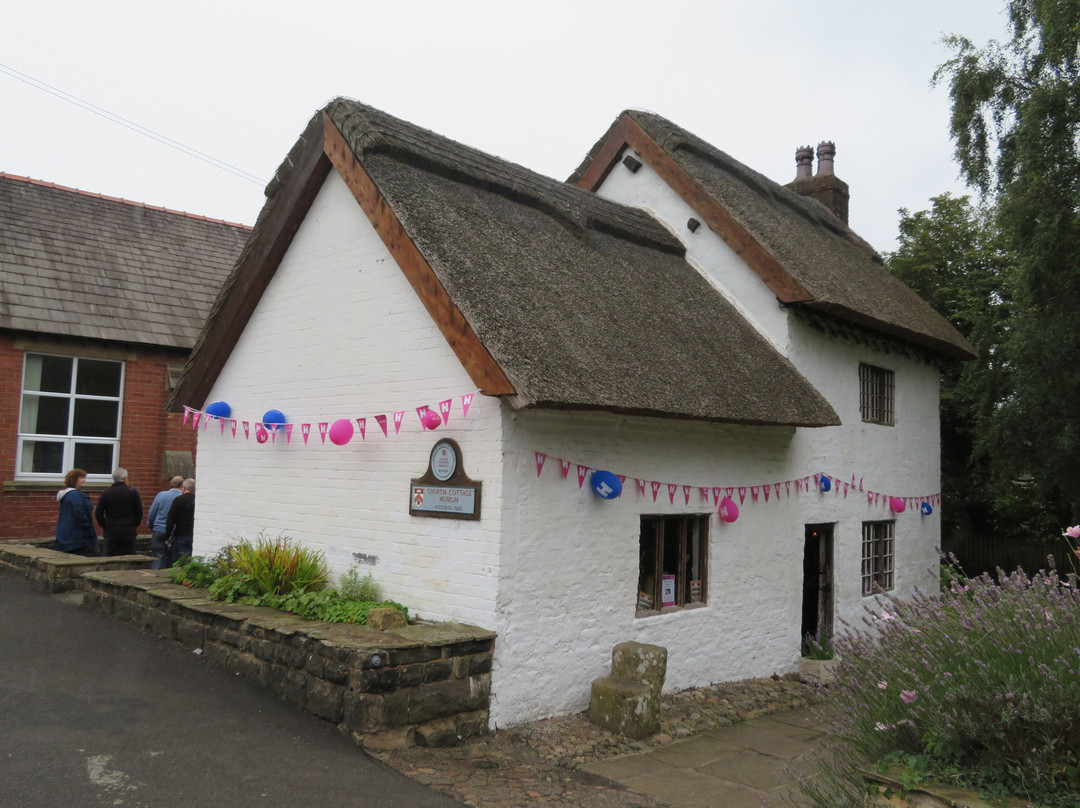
point(425, 684)
point(52, 571)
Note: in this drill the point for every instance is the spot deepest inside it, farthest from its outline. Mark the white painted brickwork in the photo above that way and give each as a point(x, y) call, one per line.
point(340, 333)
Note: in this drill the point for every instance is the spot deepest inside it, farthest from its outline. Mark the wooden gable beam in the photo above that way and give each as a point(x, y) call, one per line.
point(259, 262)
point(470, 351)
point(626, 132)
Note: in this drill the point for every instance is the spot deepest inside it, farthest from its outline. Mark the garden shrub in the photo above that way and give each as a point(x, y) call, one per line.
point(978, 686)
point(282, 575)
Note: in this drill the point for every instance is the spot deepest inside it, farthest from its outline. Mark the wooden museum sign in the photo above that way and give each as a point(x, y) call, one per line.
point(445, 490)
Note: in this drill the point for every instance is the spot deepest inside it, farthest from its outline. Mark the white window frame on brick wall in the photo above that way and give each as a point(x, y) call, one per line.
point(877, 395)
point(90, 400)
point(878, 557)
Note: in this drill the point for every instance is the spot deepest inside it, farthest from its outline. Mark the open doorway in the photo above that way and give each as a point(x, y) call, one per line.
point(817, 600)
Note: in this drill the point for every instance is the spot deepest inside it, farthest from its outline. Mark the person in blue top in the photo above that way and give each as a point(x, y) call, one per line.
point(155, 520)
point(75, 532)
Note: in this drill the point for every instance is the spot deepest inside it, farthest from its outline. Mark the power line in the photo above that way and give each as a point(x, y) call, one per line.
point(138, 128)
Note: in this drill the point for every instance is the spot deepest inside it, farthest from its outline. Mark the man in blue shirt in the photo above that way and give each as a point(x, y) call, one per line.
point(159, 512)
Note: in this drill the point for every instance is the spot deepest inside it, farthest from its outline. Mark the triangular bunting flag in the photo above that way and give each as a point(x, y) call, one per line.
point(362, 424)
point(466, 400)
point(686, 493)
point(187, 416)
point(582, 473)
point(540, 458)
point(767, 491)
point(704, 493)
point(641, 486)
point(382, 424)
point(247, 435)
point(787, 487)
point(655, 489)
point(420, 413)
point(742, 495)
point(195, 420)
point(305, 430)
point(288, 434)
point(622, 479)
point(754, 492)
point(444, 410)
point(671, 489)
point(233, 424)
point(322, 430)
point(565, 466)
point(222, 422)
point(716, 495)
point(399, 416)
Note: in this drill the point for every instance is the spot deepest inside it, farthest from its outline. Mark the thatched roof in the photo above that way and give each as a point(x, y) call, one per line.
point(578, 302)
point(82, 265)
point(808, 256)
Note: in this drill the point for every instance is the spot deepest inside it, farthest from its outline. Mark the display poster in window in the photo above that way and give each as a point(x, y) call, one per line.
point(445, 490)
point(695, 591)
point(667, 590)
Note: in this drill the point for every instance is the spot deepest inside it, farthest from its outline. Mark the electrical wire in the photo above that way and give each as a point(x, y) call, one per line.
point(138, 128)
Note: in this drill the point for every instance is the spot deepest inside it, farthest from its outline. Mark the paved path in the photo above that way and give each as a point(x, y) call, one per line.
point(740, 766)
point(96, 713)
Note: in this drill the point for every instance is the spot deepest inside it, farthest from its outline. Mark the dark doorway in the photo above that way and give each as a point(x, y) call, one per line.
point(817, 600)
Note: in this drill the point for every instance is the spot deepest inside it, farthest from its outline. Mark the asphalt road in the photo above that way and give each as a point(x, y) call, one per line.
point(94, 712)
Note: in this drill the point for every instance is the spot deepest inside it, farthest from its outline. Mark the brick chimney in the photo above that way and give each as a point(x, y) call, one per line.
point(824, 186)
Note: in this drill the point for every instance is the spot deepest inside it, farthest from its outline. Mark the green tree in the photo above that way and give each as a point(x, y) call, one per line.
point(954, 256)
point(1016, 125)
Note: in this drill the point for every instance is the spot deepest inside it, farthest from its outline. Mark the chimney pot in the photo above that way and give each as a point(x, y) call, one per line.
point(826, 153)
point(804, 159)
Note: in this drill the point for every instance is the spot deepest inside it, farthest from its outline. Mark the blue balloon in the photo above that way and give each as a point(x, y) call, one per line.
point(219, 409)
point(273, 419)
point(826, 483)
point(605, 484)
point(926, 509)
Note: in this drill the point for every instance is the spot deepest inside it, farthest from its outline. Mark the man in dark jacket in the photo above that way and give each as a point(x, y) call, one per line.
point(119, 512)
point(180, 524)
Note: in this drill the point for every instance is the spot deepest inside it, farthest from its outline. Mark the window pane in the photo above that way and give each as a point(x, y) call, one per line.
point(692, 561)
point(96, 419)
point(42, 457)
point(98, 378)
point(95, 458)
point(44, 415)
point(49, 374)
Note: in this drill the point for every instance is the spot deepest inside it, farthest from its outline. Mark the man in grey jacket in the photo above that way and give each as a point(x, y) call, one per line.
point(155, 520)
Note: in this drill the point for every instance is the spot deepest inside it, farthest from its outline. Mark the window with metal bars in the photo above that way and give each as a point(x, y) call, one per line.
point(672, 561)
point(878, 546)
point(876, 395)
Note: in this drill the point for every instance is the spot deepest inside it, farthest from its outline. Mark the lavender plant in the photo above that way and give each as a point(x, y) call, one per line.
point(978, 685)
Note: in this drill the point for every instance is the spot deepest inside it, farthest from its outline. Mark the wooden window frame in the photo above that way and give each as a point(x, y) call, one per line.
point(683, 524)
point(878, 557)
point(877, 395)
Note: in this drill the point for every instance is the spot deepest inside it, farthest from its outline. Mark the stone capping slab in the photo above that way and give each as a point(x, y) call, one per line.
point(53, 571)
point(426, 684)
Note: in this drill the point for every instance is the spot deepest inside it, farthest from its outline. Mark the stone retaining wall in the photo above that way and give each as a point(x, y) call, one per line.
point(425, 684)
point(52, 571)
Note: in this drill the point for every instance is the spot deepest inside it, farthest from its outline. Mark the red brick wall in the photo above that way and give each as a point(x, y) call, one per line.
point(146, 433)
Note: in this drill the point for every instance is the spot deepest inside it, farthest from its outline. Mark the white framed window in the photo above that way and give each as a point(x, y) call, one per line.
point(878, 556)
point(69, 416)
point(876, 395)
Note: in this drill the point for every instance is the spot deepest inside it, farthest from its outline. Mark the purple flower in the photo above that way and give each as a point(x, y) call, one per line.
point(1073, 532)
point(908, 696)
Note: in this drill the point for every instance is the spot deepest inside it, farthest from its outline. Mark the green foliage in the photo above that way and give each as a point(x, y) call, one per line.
point(354, 587)
point(1016, 125)
point(978, 686)
point(282, 576)
point(814, 648)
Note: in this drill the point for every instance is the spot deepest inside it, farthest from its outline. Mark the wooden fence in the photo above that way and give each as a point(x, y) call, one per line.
point(978, 554)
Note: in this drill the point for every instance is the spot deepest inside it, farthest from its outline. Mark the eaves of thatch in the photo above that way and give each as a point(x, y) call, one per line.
point(806, 255)
point(549, 295)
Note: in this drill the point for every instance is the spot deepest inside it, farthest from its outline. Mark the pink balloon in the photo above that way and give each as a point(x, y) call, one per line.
point(341, 431)
point(897, 505)
point(431, 419)
point(729, 511)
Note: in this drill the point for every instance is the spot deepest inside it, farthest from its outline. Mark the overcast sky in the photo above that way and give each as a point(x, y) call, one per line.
point(537, 84)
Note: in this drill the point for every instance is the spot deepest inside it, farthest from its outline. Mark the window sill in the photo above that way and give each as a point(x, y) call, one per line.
point(669, 610)
point(50, 485)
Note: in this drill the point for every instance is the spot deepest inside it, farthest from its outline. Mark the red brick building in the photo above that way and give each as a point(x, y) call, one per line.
point(101, 300)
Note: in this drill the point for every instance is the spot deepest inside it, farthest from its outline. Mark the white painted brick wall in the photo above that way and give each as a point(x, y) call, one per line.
point(340, 333)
